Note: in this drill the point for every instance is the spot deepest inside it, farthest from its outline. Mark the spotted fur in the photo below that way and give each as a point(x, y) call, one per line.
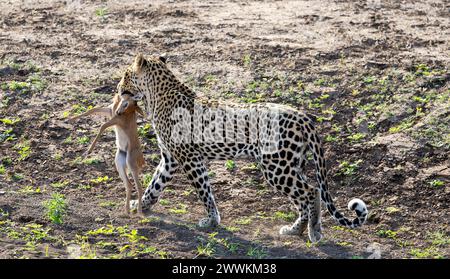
point(283, 169)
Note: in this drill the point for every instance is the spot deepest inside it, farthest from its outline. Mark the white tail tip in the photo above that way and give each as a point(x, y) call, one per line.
point(358, 205)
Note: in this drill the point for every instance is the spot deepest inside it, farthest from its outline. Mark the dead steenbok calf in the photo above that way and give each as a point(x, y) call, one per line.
point(122, 115)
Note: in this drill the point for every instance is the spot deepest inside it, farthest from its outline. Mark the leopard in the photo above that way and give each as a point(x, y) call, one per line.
point(192, 130)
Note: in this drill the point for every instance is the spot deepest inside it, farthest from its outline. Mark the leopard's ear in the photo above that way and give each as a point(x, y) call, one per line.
point(139, 63)
point(163, 58)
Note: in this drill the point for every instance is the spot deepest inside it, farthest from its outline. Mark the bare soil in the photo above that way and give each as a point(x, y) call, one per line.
point(375, 74)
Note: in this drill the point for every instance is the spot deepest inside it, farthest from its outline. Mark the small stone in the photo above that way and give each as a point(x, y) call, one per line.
point(375, 251)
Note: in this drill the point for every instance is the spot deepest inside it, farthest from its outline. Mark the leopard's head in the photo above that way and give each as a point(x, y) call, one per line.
point(142, 74)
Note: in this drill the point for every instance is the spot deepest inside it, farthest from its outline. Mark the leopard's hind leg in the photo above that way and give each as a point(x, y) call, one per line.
point(309, 216)
point(283, 175)
point(299, 226)
point(282, 172)
point(314, 216)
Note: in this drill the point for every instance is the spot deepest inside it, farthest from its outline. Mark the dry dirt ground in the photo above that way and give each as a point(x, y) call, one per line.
point(375, 74)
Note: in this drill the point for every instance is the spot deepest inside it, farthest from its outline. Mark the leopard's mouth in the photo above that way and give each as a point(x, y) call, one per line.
point(126, 92)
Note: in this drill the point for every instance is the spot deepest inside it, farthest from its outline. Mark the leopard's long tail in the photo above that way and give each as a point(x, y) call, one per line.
point(357, 205)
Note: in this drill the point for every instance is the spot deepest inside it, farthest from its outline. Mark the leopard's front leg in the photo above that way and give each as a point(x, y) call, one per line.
point(163, 174)
point(198, 175)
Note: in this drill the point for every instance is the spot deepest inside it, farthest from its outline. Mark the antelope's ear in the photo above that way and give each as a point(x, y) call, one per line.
point(139, 63)
point(163, 58)
point(116, 98)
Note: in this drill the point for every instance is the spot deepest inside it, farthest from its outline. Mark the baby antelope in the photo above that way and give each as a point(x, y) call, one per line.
point(122, 115)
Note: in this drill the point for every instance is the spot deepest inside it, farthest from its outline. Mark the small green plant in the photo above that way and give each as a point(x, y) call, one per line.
point(180, 209)
point(23, 149)
point(320, 82)
point(109, 230)
point(439, 239)
point(164, 202)
point(83, 140)
point(257, 253)
point(349, 169)
point(330, 138)
point(145, 221)
point(144, 131)
point(244, 221)
point(188, 192)
point(309, 244)
point(78, 109)
point(322, 98)
point(60, 184)
point(422, 70)
point(392, 210)
point(30, 190)
point(18, 86)
point(100, 179)
point(34, 233)
point(56, 208)
point(108, 204)
point(402, 126)
point(232, 229)
point(169, 191)
point(427, 253)
point(14, 65)
point(247, 60)
point(250, 167)
point(101, 12)
point(88, 251)
point(57, 156)
point(371, 125)
point(387, 234)
point(65, 114)
point(205, 250)
point(369, 79)
point(230, 165)
point(147, 178)
point(10, 122)
point(288, 217)
point(356, 137)
point(437, 183)
point(36, 83)
point(91, 161)
point(33, 83)
point(6, 161)
point(84, 187)
point(2, 169)
point(7, 135)
point(154, 157)
point(233, 247)
point(133, 236)
point(45, 116)
point(105, 244)
point(344, 244)
point(68, 140)
point(3, 214)
point(17, 176)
